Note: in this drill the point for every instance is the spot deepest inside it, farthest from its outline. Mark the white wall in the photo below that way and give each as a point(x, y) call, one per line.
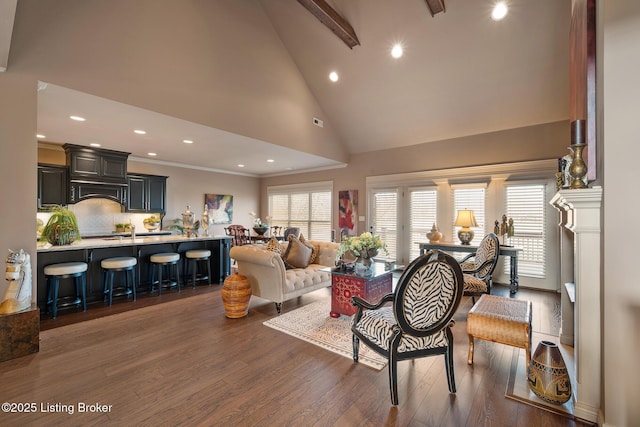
point(621, 144)
point(18, 162)
point(188, 187)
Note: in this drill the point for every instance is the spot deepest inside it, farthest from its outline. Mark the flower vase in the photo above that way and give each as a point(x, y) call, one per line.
point(547, 375)
point(364, 262)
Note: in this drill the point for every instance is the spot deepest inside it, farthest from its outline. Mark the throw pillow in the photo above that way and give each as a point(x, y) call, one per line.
point(316, 250)
point(274, 245)
point(297, 254)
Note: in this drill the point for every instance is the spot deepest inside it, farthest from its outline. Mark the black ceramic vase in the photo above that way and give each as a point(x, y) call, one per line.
point(548, 377)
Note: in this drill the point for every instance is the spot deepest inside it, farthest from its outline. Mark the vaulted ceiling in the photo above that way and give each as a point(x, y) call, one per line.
point(462, 73)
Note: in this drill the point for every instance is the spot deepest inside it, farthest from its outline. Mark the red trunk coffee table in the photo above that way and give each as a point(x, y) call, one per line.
point(344, 285)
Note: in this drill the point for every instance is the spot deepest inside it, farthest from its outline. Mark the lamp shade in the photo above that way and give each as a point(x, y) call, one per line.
point(466, 218)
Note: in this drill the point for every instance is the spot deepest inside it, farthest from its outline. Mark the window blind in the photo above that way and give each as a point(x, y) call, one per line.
point(526, 205)
point(385, 219)
point(423, 204)
point(308, 209)
point(473, 198)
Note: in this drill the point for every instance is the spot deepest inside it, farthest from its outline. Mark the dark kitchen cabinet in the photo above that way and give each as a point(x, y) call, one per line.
point(52, 186)
point(147, 193)
point(79, 191)
point(96, 165)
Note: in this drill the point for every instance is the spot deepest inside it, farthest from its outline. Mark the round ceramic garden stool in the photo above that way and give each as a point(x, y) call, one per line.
point(55, 272)
point(192, 257)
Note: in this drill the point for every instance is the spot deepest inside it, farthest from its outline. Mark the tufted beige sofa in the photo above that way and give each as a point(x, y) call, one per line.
point(270, 280)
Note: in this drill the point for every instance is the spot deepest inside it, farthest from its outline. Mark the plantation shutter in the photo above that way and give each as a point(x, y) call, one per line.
point(385, 219)
point(473, 198)
point(320, 224)
point(279, 209)
point(299, 216)
point(423, 204)
point(526, 205)
point(307, 207)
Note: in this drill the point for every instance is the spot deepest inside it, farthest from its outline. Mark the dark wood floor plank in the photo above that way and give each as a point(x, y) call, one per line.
point(177, 360)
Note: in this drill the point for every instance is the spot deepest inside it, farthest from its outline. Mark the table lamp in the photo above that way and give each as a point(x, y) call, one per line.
point(465, 220)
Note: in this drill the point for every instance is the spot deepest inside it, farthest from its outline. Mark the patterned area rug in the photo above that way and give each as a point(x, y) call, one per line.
point(313, 324)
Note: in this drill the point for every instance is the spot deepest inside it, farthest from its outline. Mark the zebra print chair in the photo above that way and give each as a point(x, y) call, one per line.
point(478, 267)
point(419, 321)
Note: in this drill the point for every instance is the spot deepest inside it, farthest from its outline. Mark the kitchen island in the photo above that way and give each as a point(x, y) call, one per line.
point(94, 250)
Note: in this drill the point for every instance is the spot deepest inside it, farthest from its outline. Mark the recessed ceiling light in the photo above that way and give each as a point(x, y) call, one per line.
point(396, 50)
point(152, 154)
point(140, 132)
point(187, 141)
point(95, 144)
point(40, 136)
point(270, 160)
point(499, 11)
point(240, 165)
point(77, 118)
point(333, 76)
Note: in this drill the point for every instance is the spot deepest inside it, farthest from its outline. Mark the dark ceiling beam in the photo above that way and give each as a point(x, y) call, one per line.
point(435, 6)
point(332, 20)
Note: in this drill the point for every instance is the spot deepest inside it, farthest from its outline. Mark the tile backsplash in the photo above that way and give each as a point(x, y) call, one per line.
point(99, 216)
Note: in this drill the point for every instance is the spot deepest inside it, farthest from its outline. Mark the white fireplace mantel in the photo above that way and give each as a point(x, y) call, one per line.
point(583, 209)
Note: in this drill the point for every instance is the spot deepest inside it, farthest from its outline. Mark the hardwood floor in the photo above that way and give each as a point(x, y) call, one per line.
point(183, 362)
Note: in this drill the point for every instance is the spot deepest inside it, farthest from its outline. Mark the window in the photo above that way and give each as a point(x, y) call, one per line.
point(385, 219)
point(423, 206)
point(526, 205)
point(470, 197)
point(305, 206)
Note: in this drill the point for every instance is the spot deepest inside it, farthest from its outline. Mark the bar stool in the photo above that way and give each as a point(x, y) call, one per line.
point(192, 258)
point(111, 266)
point(161, 260)
point(55, 272)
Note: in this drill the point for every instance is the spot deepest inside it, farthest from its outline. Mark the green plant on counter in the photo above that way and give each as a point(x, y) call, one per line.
point(121, 228)
point(178, 225)
point(62, 227)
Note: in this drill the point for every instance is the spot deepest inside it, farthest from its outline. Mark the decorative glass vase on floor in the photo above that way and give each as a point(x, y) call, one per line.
point(548, 377)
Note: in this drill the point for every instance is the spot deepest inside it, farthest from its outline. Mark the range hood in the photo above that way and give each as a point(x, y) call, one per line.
point(96, 173)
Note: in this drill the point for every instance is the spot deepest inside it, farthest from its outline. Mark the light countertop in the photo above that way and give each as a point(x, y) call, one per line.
point(90, 243)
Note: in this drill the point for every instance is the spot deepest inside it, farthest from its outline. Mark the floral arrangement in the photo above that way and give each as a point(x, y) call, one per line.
point(361, 245)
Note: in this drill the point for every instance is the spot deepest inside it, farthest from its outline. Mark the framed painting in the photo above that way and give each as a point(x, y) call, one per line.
point(220, 208)
point(348, 212)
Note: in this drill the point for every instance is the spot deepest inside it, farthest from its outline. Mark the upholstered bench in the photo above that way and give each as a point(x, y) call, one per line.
point(502, 320)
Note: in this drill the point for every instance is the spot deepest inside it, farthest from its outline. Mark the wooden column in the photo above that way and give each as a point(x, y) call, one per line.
point(582, 74)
